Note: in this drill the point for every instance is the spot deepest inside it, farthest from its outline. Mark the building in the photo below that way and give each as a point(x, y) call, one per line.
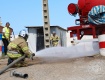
point(36, 36)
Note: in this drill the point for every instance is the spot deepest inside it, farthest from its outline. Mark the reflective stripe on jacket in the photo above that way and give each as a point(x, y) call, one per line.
point(54, 38)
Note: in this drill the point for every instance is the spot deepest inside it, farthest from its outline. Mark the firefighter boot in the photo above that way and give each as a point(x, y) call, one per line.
point(10, 61)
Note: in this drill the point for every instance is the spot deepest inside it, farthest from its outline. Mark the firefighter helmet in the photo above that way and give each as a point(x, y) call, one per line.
point(23, 34)
point(53, 32)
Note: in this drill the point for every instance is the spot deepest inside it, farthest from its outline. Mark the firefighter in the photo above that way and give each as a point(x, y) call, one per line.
point(54, 39)
point(6, 36)
point(17, 48)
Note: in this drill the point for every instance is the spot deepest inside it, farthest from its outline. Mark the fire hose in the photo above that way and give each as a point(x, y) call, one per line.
point(18, 74)
point(14, 62)
point(97, 15)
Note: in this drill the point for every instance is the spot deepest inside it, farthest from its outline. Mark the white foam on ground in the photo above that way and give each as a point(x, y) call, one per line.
point(79, 50)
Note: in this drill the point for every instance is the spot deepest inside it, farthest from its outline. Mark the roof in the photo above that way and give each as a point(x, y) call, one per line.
point(42, 27)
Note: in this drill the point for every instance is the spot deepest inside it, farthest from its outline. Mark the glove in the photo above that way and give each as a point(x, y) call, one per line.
point(32, 55)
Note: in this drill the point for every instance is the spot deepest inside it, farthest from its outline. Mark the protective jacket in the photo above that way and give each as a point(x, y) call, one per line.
point(54, 40)
point(17, 48)
point(7, 32)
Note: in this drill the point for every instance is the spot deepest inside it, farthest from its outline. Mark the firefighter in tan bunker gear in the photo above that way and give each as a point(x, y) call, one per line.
point(54, 39)
point(17, 48)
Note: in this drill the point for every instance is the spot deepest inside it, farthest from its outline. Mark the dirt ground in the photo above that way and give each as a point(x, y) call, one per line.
point(45, 68)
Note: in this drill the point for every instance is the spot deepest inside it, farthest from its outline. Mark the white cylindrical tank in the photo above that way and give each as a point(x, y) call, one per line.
point(101, 39)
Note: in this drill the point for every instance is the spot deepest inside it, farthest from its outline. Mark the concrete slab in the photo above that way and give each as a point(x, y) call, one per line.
point(86, 68)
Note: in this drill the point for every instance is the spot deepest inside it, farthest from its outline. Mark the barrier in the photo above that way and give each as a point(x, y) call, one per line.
point(2, 48)
point(101, 39)
point(1, 44)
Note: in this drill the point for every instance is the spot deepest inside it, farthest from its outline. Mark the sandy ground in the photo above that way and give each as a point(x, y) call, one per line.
point(46, 68)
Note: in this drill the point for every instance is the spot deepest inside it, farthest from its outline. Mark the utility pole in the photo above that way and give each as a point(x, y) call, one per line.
point(46, 27)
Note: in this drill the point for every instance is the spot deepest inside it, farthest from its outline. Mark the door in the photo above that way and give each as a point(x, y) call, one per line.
point(40, 39)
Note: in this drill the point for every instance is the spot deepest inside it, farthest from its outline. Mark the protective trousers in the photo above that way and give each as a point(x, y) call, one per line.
point(14, 56)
